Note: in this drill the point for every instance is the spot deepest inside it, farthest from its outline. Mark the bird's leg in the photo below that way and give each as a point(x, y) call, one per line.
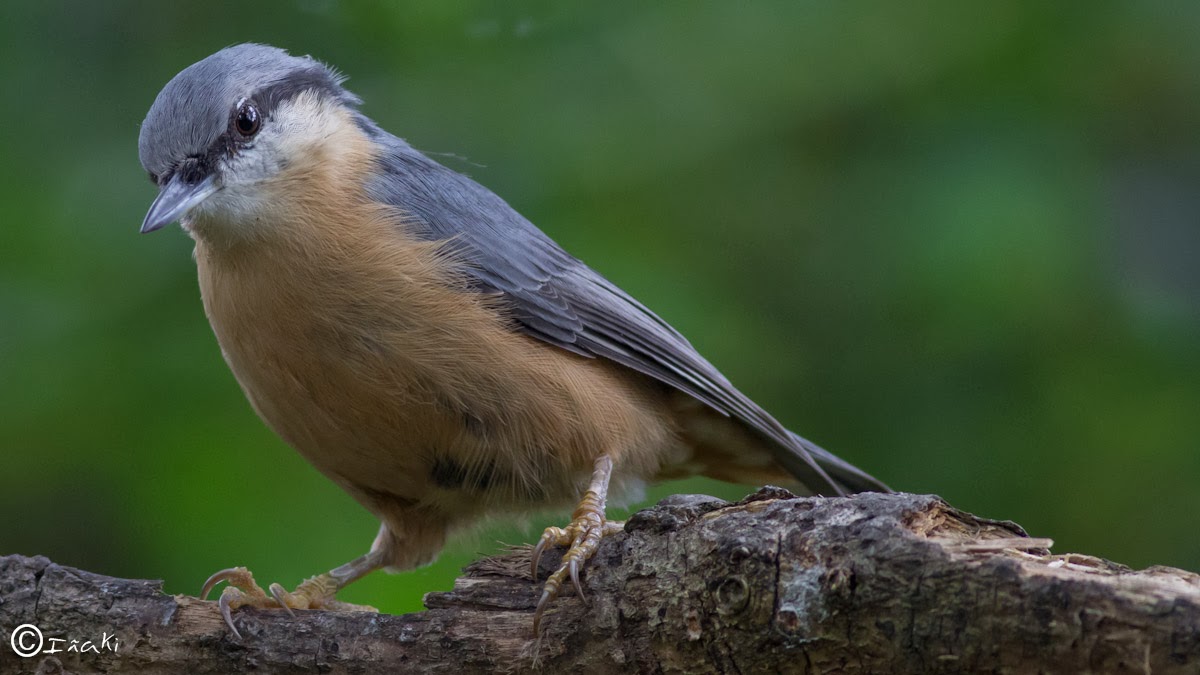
point(313, 593)
point(588, 526)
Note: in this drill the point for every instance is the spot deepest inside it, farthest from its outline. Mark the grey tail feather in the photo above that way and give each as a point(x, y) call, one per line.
point(849, 477)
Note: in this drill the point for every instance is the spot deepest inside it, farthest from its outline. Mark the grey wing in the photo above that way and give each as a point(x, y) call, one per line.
point(558, 299)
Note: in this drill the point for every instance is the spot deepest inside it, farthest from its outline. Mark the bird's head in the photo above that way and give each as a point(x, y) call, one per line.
point(227, 131)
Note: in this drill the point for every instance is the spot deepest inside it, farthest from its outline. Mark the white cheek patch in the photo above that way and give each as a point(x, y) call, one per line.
point(293, 139)
point(305, 123)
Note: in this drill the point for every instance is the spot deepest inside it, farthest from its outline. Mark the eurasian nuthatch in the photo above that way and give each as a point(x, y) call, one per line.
point(422, 344)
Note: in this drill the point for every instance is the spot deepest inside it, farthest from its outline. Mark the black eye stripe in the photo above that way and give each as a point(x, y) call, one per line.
point(317, 79)
point(266, 101)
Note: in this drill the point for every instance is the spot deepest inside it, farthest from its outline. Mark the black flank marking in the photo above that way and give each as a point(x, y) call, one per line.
point(449, 474)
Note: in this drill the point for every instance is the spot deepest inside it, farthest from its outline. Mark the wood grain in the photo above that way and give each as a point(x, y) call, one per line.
point(866, 584)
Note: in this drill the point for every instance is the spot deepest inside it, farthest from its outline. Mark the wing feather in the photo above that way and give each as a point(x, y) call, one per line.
point(557, 298)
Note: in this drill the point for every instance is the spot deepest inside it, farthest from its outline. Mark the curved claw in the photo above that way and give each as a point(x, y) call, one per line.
point(280, 596)
point(224, 575)
point(574, 567)
point(227, 612)
point(541, 607)
point(553, 536)
point(537, 557)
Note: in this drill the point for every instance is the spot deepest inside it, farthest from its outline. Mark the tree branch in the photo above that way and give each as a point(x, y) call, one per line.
point(774, 583)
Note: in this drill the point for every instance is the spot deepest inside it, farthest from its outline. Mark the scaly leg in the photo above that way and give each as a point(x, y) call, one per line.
point(314, 593)
point(588, 526)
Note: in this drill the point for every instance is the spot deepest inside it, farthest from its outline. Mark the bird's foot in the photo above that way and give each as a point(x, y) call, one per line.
point(582, 537)
point(243, 591)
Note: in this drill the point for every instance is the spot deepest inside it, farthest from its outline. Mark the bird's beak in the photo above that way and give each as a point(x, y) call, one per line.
point(174, 201)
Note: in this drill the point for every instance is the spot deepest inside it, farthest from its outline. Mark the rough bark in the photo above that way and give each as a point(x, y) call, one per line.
point(774, 583)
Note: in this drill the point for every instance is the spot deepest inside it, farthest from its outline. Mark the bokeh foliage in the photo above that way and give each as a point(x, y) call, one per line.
point(954, 242)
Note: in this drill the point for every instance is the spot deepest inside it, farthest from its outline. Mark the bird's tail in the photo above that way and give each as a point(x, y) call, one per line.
point(849, 477)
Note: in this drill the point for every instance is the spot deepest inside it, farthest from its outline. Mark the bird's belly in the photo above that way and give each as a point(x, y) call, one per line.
point(396, 439)
point(370, 428)
point(431, 411)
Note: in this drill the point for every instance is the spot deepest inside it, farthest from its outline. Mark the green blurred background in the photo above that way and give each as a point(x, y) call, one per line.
point(955, 243)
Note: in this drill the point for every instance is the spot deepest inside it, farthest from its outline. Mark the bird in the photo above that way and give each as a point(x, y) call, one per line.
point(422, 344)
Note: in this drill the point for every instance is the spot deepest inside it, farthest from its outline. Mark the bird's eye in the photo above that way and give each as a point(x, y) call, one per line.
point(248, 120)
point(153, 177)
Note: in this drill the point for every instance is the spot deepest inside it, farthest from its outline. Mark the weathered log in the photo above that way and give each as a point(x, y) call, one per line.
point(866, 584)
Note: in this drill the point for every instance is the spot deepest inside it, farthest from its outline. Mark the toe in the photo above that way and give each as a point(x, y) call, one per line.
point(543, 603)
point(231, 599)
point(583, 537)
point(553, 536)
point(281, 596)
point(236, 576)
point(573, 568)
point(314, 593)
